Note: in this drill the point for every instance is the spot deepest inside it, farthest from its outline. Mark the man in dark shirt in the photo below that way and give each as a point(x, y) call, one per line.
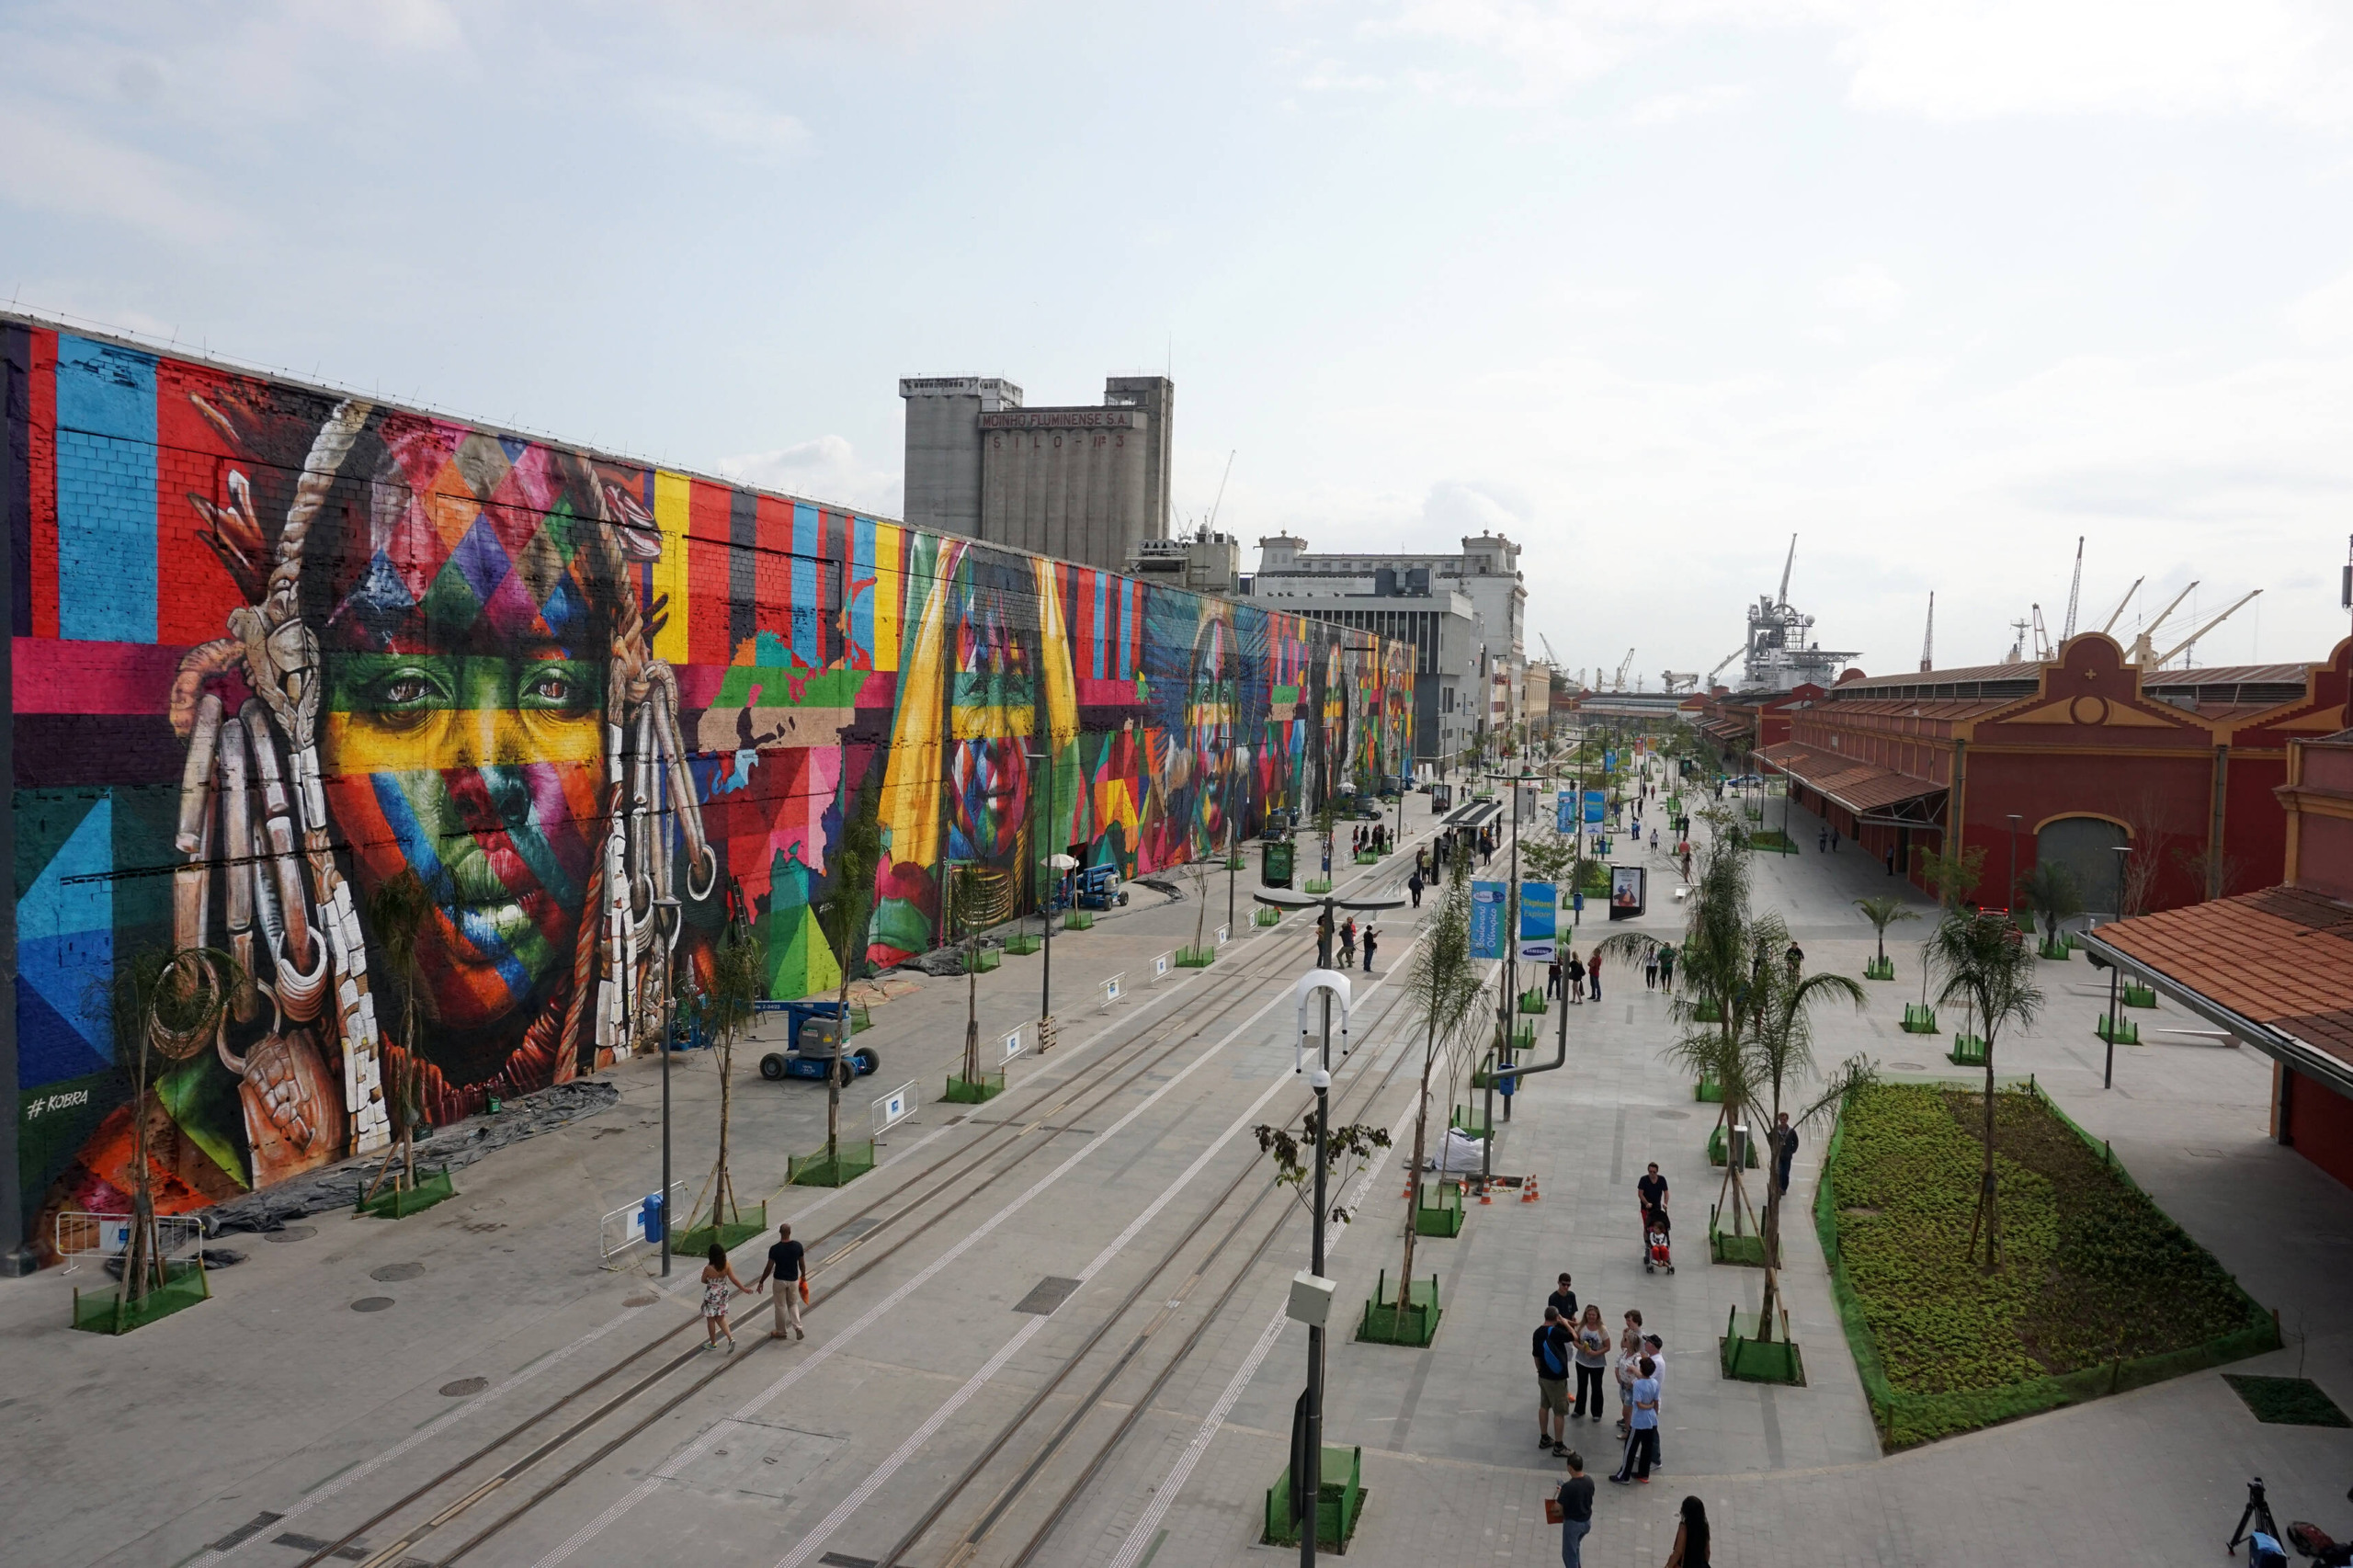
point(1653, 1186)
point(1785, 1150)
point(1551, 1350)
point(1576, 1512)
point(784, 1262)
point(1563, 1300)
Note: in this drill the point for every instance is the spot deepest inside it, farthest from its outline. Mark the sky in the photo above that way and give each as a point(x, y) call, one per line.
point(1649, 285)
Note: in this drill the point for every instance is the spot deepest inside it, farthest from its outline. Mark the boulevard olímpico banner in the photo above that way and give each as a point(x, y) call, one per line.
point(1538, 911)
point(1486, 920)
point(1594, 802)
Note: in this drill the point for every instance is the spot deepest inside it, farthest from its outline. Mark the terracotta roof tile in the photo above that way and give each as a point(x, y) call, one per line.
point(1858, 786)
point(2282, 956)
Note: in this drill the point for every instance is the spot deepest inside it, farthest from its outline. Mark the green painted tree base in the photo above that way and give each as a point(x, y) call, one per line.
point(2058, 952)
point(1317, 886)
point(1415, 1324)
point(391, 1204)
point(1968, 1050)
point(1743, 1252)
point(100, 1312)
point(852, 1161)
point(1709, 1090)
point(1706, 1011)
point(1023, 944)
point(1749, 1360)
point(733, 1235)
point(1532, 1002)
point(2127, 1030)
point(1918, 1019)
point(1196, 957)
point(973, 1091)
point(1339, 1502)
point(1264, 915)
point(1077, 920)
point(1716, 1151)
point(1443, 1218)
point(2140, 996)
point(979, 961)
point(1874, 968)
point(1470, 1119)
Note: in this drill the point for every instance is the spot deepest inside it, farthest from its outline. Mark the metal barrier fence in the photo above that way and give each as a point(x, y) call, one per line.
point(894, 1109)
point(624, 1228)
point(80, 1234)
point(1015, 1043)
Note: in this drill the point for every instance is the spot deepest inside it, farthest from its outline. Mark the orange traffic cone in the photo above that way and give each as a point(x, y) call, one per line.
point(1528, 1191)
point(1486, 1195)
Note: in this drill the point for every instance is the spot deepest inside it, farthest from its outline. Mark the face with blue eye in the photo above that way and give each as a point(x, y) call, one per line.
point(992, 713)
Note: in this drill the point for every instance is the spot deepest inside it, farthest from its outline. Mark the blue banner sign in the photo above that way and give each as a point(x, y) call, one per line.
point(1594, 800)
point(1538, 917)
point(1565, 813)
point(1486, 920)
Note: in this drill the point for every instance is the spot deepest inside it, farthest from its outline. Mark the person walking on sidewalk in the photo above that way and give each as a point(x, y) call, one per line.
point(718, 1274)
point(1650, 971)
point(1414, 886)
point(1785, 1150)
point(1666, 969)
point(1369, 937)
point(1576, 978)
point(1348, 942)
point(784, 1264)
point(1576, 1512)
point(1551, 1350)
point(1592, 1359)
point(1691, 1537)
point(1552, 978)
point(1641, 1438)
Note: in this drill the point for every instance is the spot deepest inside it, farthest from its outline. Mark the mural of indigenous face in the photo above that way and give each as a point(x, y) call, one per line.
point(985, 676)
point(1212, 704)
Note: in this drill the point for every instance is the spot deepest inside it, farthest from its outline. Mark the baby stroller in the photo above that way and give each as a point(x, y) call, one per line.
point(1658, 1251)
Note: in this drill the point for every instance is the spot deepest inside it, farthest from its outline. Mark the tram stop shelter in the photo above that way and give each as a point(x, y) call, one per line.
point(2274, 969)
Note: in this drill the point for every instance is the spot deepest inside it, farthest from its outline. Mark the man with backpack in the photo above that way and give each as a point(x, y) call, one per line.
point(1551, 1350)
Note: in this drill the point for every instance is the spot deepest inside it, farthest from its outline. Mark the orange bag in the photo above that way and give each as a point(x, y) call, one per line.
point(805, 1290)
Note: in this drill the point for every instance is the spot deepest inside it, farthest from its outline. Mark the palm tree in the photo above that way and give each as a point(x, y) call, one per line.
point(1443, 991)
point(1984, 961)
point(738, 979)
point(2052, 893)
point(1780, 1051)
point(1954, 877)
point(397, 912)
point(1883, 911)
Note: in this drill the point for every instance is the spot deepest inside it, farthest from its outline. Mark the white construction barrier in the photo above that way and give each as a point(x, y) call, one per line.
point(1161, 965)
point(80, 1234)
point(1015, 1043)
point(624, 1229)
point(1111, 992)
point(894, 1109)
point(1224, 935)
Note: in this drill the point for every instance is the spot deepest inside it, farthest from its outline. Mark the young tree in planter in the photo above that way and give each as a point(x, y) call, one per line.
point(843, 917)
point(1985, 963)
point(397, 912)
point(171, 1003)
point(2051, 893)
point(1883, 911)
point(1443, 992)
point(1954, 878)
point(962, 881)
point(738, 980)
point(1780, 1053)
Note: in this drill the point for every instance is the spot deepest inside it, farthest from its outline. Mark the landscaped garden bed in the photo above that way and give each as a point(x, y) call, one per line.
point(2097, 1291)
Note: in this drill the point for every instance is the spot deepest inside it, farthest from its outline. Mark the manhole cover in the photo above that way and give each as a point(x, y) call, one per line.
point(465, 1386)
point(393, 1273)
point(645, 1300)
point(1670, 1116)
point(292, 1233)
point(371, 1304)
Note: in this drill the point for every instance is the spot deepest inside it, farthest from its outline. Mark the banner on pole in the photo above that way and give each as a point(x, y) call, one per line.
point(1594, 801)
point(1538, 916)
point(1486, 920)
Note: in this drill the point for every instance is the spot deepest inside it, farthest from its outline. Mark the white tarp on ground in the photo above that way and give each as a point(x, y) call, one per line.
point(1458, 1153)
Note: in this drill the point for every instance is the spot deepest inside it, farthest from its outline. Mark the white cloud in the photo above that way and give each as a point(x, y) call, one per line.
point(52, 166)
point(2292, 59)
point(1697, 103)
point(827, 469)
point(1868, 291)
point(2324, 315)
point(722, 117)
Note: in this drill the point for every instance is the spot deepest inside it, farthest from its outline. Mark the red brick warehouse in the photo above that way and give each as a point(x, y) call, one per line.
point(2066, 759)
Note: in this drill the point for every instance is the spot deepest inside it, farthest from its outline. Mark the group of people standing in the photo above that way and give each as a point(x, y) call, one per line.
point(1574, 1342)
point(1375, 838)
point(1576, 974)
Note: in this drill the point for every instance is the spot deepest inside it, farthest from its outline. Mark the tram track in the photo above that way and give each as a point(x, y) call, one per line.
point(1091, 1088)
point(994, 1512)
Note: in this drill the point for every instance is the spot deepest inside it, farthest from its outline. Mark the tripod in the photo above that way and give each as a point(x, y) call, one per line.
point(2255, 1515)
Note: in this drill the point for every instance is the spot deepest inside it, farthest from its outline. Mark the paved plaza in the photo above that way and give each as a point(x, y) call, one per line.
point(346, 1362)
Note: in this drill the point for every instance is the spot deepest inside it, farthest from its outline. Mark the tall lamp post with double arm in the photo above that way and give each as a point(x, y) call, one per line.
point(1327, 983)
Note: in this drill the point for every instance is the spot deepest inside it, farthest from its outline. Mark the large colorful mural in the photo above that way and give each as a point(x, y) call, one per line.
point(274, 647)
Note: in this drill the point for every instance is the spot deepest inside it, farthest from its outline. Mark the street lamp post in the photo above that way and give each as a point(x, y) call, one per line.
point(1051, 864)
point(666, 924)
point(2108, 1073)
point(1311, 1484)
